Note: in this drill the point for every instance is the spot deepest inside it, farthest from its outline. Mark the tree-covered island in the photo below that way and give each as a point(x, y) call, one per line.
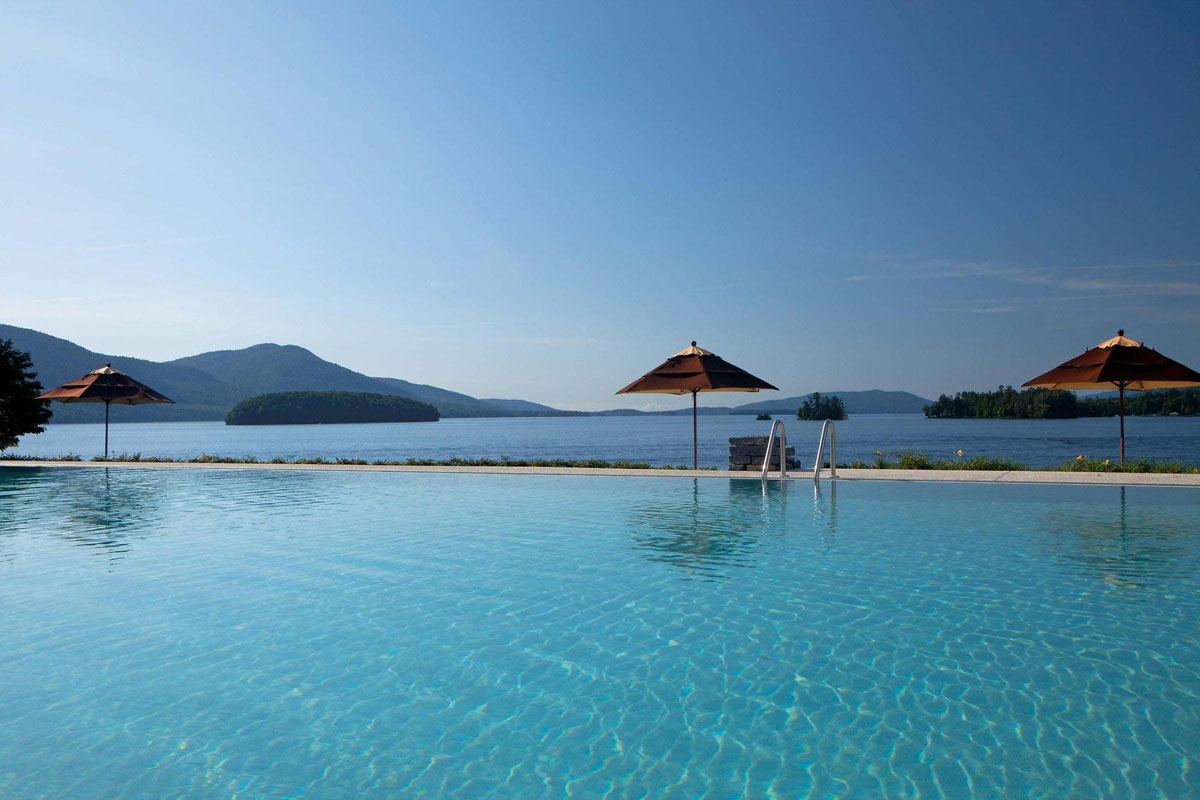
point(312, 408)
point(818, 407)
point(1007, 403)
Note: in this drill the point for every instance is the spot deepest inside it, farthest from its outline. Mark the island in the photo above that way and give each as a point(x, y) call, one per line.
point(817, 407)
point(314, 408)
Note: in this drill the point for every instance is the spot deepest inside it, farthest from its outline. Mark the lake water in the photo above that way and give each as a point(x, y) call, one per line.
point(657, 440)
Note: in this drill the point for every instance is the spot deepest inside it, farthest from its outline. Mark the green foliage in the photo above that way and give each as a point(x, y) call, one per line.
point(1084, 464)
point(61, 457)
point(1006, 403)
point(308, 408)
point(1184, 402)
point(503, 461)
point(20, 410)
point(910, 460)
point(903, 460)
point(817, 407)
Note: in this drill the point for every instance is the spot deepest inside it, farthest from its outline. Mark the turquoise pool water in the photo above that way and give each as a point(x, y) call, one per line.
point(329, 635)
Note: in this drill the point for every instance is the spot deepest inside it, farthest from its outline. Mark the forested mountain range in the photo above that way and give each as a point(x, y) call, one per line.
point(207, 385)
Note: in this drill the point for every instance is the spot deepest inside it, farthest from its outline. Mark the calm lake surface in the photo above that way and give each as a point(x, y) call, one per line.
point(657, 440)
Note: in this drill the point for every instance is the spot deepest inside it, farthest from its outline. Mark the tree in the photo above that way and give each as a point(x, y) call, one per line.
point(20, 410)
point(817, 407)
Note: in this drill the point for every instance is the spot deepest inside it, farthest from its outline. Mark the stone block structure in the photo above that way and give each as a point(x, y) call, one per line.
point(746, 454)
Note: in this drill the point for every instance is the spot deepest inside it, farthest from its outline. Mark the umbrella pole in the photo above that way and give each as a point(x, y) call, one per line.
point(695, 435)
point(107, 406)
point(1121, 414)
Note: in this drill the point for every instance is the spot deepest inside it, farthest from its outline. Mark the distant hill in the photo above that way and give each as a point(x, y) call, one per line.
point(450, 404)
point(268, 368)
point(57, 361)
point(208, 385)
point(524, 408)
point(703, 411)
point(873, 401)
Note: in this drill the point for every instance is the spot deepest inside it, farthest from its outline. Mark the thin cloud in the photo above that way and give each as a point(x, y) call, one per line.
point(1052, 277)
point(68, 299)
point(132, 245)
point(556, 341)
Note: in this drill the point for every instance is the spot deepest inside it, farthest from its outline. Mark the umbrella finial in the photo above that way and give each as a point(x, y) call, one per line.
point(1121, 332)
point(693, 342)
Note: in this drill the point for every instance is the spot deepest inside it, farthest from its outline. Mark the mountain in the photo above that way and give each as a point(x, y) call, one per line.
point(268, 368)
point(57, 361)
point(450, 404)
point(206, 386)
point(524, 408)
point(873, 401)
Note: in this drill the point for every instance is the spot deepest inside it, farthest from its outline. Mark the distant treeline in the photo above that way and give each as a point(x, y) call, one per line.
point(817, 407)
point(1184, 402)
point(309, 408)
point(1008, 403)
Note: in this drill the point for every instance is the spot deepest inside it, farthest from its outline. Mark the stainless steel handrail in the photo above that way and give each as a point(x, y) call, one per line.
point(782, 449)
point(827, 426)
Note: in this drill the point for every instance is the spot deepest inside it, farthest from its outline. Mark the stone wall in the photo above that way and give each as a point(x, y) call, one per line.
point(746, 454)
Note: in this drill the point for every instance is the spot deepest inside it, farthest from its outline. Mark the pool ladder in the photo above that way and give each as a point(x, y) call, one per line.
point(827, 426)
point(827, 432)
point(782, 449)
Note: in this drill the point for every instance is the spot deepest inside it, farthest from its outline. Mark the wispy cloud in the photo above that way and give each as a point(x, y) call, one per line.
point(132, 245)
point(1068, 278)
point(556, 340)
point(58, 300)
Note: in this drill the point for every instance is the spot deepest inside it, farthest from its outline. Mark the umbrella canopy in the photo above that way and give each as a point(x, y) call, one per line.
point(1123, 363)
point(105, 385)
point(695, 370)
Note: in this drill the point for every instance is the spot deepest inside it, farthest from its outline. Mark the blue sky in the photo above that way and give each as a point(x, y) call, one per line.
point(544, 200)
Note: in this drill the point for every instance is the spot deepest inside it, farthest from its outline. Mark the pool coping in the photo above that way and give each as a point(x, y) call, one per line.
point(943, 476)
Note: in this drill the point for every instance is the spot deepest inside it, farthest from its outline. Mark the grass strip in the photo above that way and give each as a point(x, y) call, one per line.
point(503, 461)
point(908, 460)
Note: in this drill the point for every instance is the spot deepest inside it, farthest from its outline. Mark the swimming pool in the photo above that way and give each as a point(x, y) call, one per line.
point(277, 634)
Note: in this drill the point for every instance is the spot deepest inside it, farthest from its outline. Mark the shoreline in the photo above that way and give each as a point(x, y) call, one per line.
point(944, 476)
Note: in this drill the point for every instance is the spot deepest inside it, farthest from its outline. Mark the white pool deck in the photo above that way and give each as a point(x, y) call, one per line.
point(945, 476)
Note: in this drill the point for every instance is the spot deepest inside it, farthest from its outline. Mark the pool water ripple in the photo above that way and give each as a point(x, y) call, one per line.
point(275, 634)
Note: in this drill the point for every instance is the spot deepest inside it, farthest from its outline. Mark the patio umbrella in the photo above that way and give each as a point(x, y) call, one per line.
point(105, 385)
point(1123, 363)
point(696, 370)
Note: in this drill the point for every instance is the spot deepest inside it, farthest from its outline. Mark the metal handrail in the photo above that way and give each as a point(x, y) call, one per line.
point(782, 449)
point(827, 426)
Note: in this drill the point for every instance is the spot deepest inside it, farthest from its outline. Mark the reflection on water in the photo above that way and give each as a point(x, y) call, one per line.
point(104, 510)
point(707, 533)
point(108, 510)
point(13, 485)
point(1125, 544)
point(825, 513)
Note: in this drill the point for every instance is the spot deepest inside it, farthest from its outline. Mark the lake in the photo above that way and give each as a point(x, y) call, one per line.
point(657, 440)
